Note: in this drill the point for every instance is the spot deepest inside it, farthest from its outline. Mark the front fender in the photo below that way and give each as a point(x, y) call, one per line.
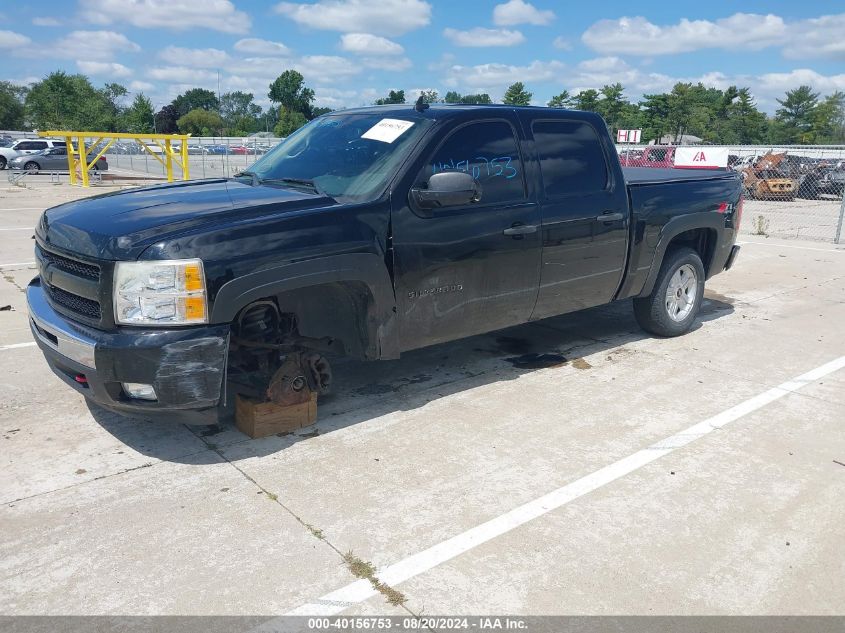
point(367, 268)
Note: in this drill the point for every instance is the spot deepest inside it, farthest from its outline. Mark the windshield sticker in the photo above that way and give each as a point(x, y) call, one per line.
point(387, 130)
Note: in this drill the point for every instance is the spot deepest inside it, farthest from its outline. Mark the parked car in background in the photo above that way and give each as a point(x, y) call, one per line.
point(218, 149)
point(53, 159)
point(823, 180)
point(194, 150)
point(652, 156)
point(26, 146)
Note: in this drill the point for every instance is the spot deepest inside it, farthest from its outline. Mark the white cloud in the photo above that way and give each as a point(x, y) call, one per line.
point(10, 39)
point(817, 37)
point(109, 69)
point(479, 37)
point(326, 69)
point(562, 43)
point(256, 46)
point(384, 17)
point(196, 57)
point(99, 44)
point(520, 12)
point(140, 86)
point(638, 36)
point(182, 74)
point(368, 44)
point(394, 64)
point(46, 21)
point(178, 15)
point(496, 76)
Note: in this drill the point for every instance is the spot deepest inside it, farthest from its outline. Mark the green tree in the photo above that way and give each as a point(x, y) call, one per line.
point(612, 105)
point(138, 117)
point(289, 122)
point(11, 106)
point(828, 119)
point(394, 96)
point(587, 100)
point(516, 94)
point(430, 96)
point(320, 111)
point(452, 97)
point(655, 110)
point(166, 120)
point(200, 122)
point(563, 100)
point(196, 99)
point(291, 93)
point(796, 113)
point(746, 124)
point(70, 102)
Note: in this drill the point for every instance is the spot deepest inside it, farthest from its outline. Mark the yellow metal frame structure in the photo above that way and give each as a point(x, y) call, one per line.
point(79, 157)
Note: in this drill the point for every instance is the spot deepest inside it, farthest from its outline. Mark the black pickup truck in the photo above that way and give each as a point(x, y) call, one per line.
point(367, 233)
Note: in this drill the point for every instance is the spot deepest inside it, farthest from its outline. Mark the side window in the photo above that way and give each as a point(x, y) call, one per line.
point(59, 151)
point(25, 145)
point(59, 144)
point(571, 157)
point(488, 151)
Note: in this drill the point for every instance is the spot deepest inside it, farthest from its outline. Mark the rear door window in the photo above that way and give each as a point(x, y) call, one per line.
point(488, 151)
point(571, 157)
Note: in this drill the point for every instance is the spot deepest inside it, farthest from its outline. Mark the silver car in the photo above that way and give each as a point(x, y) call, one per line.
point(54, 159)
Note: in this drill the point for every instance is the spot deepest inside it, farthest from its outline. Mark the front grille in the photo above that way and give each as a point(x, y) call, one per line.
point(74, 303)
point(89, 271)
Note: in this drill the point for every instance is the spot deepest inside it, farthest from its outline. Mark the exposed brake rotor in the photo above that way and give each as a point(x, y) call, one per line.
point(299, 375)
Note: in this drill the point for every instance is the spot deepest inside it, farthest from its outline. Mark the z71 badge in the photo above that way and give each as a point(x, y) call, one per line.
point(414, 294)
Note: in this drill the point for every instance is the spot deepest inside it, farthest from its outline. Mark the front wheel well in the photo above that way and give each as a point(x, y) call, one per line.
point(339, 311)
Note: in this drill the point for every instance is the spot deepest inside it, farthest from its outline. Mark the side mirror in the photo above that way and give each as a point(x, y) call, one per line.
point(448, 189)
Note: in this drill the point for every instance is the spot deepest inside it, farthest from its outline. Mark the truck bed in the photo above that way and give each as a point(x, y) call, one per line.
point(653, 176)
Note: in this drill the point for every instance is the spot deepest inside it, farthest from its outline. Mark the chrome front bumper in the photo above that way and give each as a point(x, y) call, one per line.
point(57, 333)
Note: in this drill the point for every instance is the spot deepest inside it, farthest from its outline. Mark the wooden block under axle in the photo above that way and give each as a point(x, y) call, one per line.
point(260, 419)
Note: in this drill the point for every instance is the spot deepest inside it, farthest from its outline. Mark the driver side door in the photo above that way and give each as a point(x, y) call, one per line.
point(473, 267)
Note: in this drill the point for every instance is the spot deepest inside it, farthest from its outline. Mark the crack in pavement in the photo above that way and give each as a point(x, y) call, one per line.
point(354, 564)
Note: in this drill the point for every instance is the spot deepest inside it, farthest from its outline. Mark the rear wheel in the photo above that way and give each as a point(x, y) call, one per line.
point(2, 162)
point(673, 304)
point(31, 167)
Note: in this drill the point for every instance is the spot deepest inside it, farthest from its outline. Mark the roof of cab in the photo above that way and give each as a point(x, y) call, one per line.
point(444, 110)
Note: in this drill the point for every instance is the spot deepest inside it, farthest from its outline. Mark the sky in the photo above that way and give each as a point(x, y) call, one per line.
point(354, 51)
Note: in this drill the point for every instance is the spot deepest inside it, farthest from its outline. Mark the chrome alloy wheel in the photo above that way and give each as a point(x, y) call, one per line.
point(681, 293)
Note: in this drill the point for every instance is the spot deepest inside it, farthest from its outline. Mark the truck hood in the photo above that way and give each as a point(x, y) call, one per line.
point(121, 225)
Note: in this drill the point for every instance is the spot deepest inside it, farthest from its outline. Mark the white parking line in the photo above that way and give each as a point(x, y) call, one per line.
point(17, 346)
point(17, 264)
point(802, 248)
point(23, 209)
point(22, 228)
point(361, 590)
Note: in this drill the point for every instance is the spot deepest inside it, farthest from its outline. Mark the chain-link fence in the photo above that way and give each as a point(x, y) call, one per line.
point(790, 192)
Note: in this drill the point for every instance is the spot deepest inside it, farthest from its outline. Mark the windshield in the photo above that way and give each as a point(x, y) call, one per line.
point(348, 156)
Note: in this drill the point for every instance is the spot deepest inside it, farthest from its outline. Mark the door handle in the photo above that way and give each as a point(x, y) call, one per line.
point(610, 217)
point(520, 229)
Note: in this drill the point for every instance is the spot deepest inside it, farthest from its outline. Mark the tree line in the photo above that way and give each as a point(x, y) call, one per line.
point(63, 101)
point(731, 116)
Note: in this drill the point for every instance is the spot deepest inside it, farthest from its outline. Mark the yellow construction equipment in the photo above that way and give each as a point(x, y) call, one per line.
point(78, 150)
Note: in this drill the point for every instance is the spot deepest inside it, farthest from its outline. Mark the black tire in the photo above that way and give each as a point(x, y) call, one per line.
point(653, 312)
point(2, 162)
point(31, 167)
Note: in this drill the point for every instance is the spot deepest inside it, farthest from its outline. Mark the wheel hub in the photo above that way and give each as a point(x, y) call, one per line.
point(681, 293)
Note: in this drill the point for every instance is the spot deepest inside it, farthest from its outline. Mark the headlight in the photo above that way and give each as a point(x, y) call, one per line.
point(168, 292)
